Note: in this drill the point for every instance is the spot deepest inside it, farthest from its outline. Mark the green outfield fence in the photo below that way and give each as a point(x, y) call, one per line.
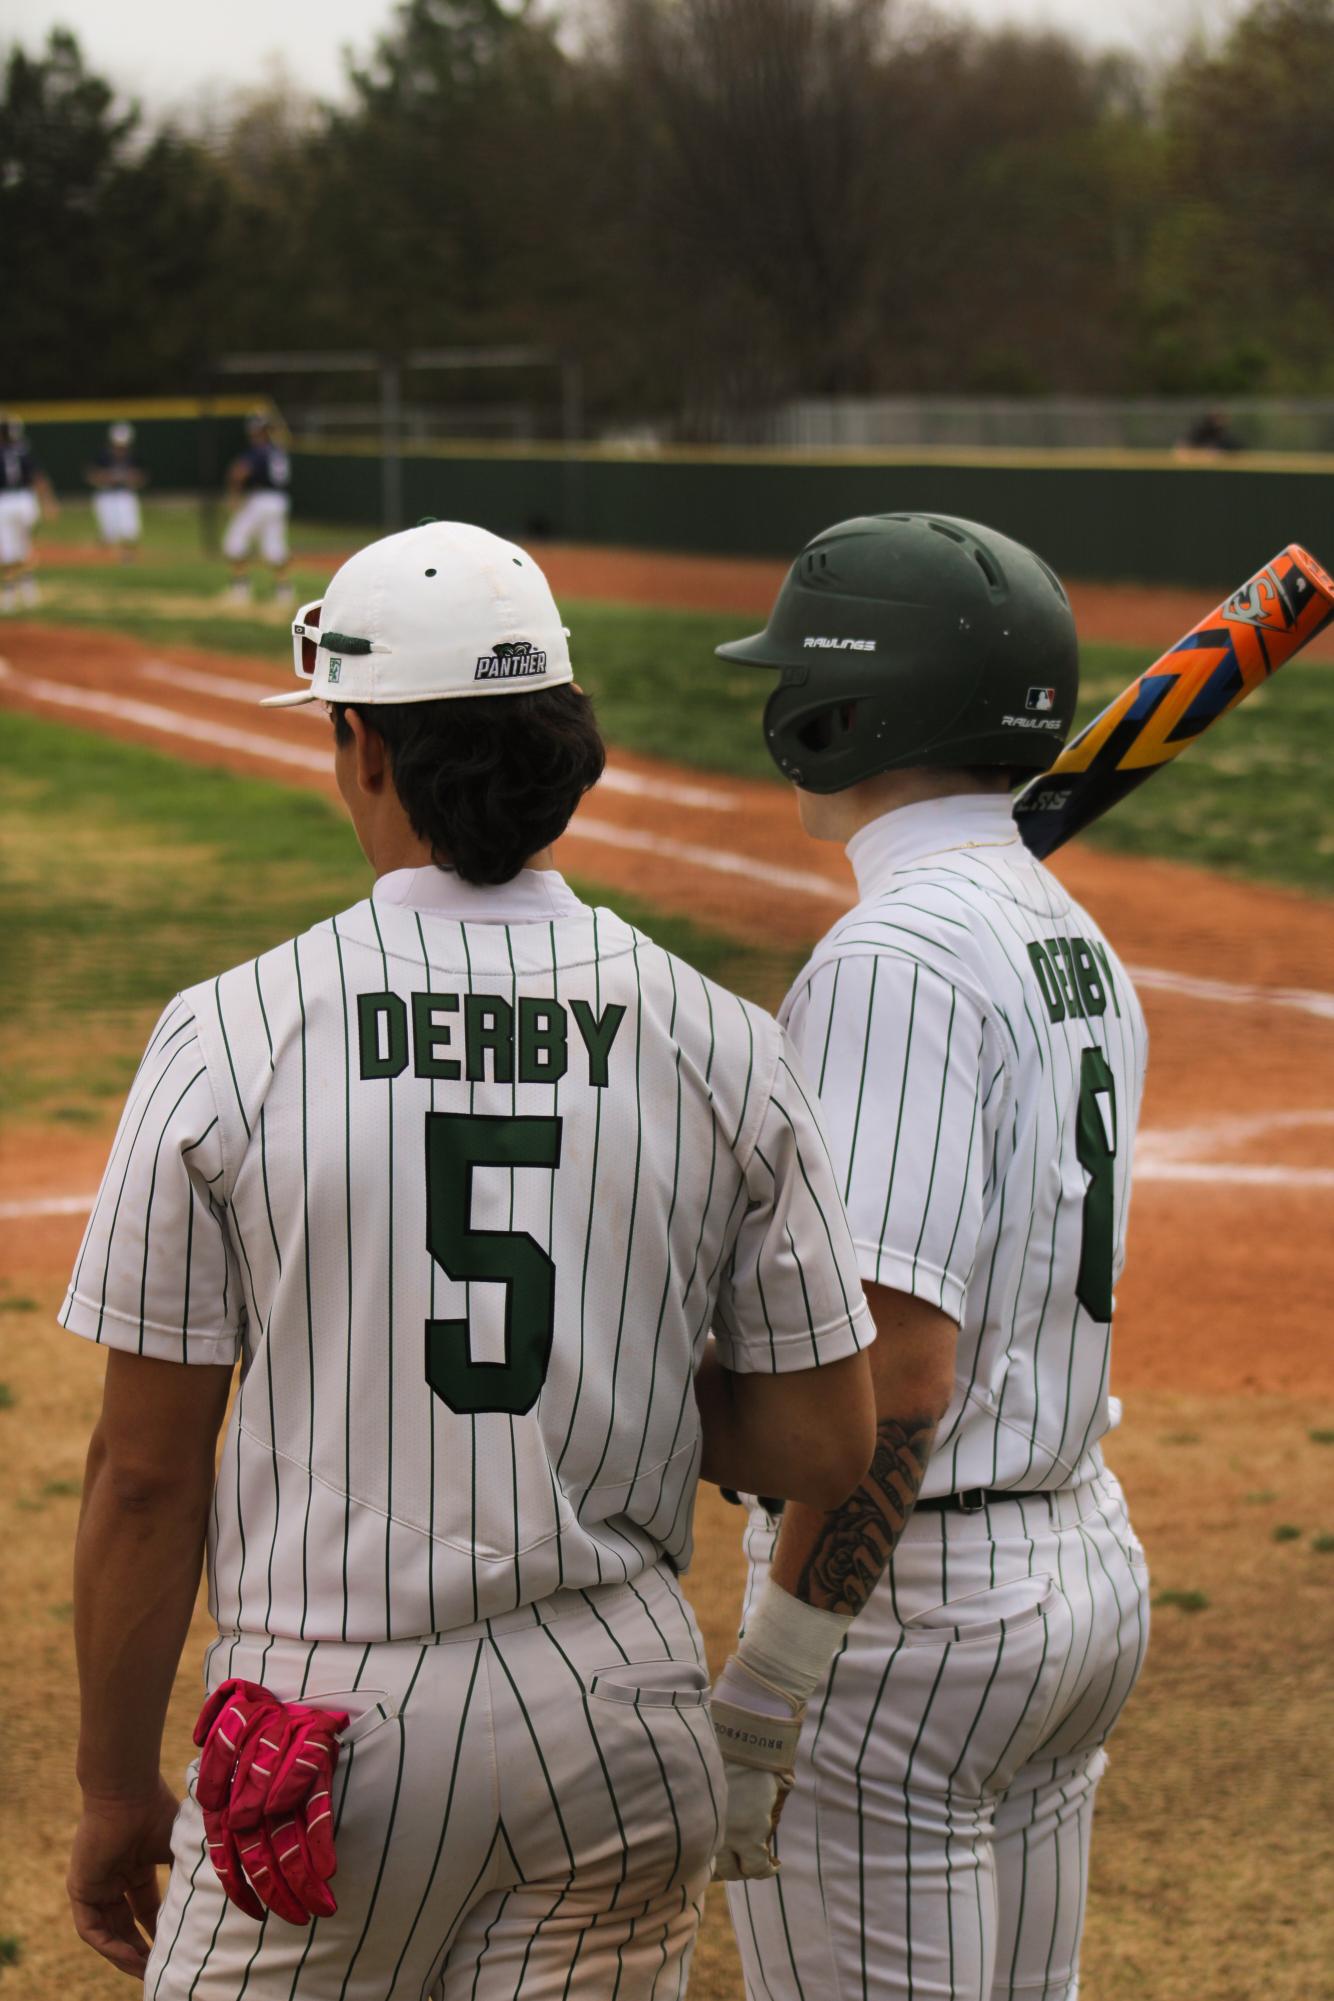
point(184, 443)
point(1116, 516)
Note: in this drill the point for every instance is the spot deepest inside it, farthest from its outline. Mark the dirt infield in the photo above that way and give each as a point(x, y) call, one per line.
point(1222, 1342)
point(1142, 615)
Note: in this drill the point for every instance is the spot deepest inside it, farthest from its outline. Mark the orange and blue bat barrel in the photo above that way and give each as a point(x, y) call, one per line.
point(1227, 656)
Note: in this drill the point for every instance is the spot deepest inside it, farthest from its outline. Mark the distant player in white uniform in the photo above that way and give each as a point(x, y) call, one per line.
point(257, 483)
point(117, 482)
point(25, 497)
point(979, 1055)
point(462, 1178)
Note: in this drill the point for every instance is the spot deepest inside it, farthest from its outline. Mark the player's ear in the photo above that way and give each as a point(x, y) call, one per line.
point(372, 760)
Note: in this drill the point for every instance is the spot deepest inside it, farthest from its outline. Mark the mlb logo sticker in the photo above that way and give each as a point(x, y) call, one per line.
point(335, 668)
point(1040, 698)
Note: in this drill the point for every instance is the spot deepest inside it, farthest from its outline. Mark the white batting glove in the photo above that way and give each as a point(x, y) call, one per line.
point(758, 1704)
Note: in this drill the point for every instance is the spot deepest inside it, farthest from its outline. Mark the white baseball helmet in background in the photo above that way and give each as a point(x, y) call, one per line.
point(438, 611)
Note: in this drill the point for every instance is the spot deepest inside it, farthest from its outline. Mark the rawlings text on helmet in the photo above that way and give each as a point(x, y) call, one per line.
point(843, 645)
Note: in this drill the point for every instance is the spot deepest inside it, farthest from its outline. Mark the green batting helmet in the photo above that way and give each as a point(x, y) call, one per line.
point(905, 639)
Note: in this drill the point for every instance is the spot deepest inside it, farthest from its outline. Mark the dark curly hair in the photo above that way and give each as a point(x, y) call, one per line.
point(487, 780)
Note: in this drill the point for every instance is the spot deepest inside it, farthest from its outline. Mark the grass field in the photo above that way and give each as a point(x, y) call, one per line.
point(209, 868)
point(1250, 799)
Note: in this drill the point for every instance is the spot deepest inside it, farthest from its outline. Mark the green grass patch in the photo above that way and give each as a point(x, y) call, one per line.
point(130, 875)
point(1323, 1544)
point(1287, 1532)
point(7, 1397)
point(11, 1949)
point(1321, 1437)
point(1249, 799)
point(1184, 1601)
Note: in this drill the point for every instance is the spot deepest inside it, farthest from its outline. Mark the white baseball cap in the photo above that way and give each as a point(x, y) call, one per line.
point(440, 610)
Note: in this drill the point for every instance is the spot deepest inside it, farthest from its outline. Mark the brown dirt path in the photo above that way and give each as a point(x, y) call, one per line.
point(1150, 616)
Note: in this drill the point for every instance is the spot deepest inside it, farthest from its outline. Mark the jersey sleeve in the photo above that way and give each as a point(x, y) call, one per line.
point(897, 1055)
point(155, 1273)
point(790, 1296)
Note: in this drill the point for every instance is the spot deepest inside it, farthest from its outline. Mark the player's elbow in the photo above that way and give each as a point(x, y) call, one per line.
point(833, 1439)
point(132, 1479)
point(828, 1485)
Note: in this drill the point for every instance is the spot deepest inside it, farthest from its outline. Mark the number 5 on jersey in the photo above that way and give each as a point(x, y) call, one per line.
point(456, 1143)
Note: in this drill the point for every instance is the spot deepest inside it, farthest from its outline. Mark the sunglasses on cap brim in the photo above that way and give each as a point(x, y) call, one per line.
point(307, 639)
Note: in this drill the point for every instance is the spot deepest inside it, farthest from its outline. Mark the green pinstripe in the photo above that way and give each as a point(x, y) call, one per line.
point(148, 1209)
point(935, 1149)
point(226, 1043)
point(389, 1831)
point(592, 1206)
point(861, 1087)
point(903, 1099)
point(430, 1401)
point(310, 1320)
point(541, 1760)
point(848, 1307)
point(907, 1817)
point(667, 1259)
point(115, 1214)
point(347, 1233)
point(861, 1817)
point(389, 1344)
point(829, 1024)
point(472, 1421)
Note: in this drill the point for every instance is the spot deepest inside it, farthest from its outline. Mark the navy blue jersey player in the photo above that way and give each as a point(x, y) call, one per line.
point(257, 482)
point(26, 497)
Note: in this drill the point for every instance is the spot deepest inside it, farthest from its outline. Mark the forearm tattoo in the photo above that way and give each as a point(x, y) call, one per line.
point(856, 1541)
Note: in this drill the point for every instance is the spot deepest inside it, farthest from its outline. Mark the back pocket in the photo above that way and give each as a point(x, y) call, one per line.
point(982, 1617)
point(651, 1684)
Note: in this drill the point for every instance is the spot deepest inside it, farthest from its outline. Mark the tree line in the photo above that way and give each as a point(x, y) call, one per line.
point(712, 204)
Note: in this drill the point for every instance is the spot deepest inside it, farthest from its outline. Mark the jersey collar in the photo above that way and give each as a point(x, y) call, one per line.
point(534, 896)
point(929, 827)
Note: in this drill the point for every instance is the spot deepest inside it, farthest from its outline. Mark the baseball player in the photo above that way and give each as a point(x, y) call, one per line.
point(461, 1177)
point(979, 1055)
point(257, 483)
point(117, 482)
point(26, 496)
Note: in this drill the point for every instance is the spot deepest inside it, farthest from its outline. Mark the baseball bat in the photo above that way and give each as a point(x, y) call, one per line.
point(1224, 659)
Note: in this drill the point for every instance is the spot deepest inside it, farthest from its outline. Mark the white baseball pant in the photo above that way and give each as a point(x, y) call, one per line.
point(936, 1843)
point(260, 521)
point(18, 511)
point(528, 1805)
point(117, 515)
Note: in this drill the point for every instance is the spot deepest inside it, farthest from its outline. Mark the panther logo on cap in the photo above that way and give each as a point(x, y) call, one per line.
point(511, 660)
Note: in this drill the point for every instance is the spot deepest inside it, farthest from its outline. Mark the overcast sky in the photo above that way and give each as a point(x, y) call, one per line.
point(167, 52)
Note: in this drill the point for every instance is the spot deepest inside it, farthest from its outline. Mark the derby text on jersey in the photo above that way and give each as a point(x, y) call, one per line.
point(979, 1054)
point(465, 1198)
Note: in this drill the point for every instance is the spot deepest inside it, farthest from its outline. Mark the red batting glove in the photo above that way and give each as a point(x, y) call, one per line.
point(235, 1713)
point(225, 1856)
point(283, 1760)
point(264, 1786)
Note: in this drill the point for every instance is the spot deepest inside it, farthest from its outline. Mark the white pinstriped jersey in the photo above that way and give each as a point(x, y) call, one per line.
point(979, 1054)
point(462, 1178)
